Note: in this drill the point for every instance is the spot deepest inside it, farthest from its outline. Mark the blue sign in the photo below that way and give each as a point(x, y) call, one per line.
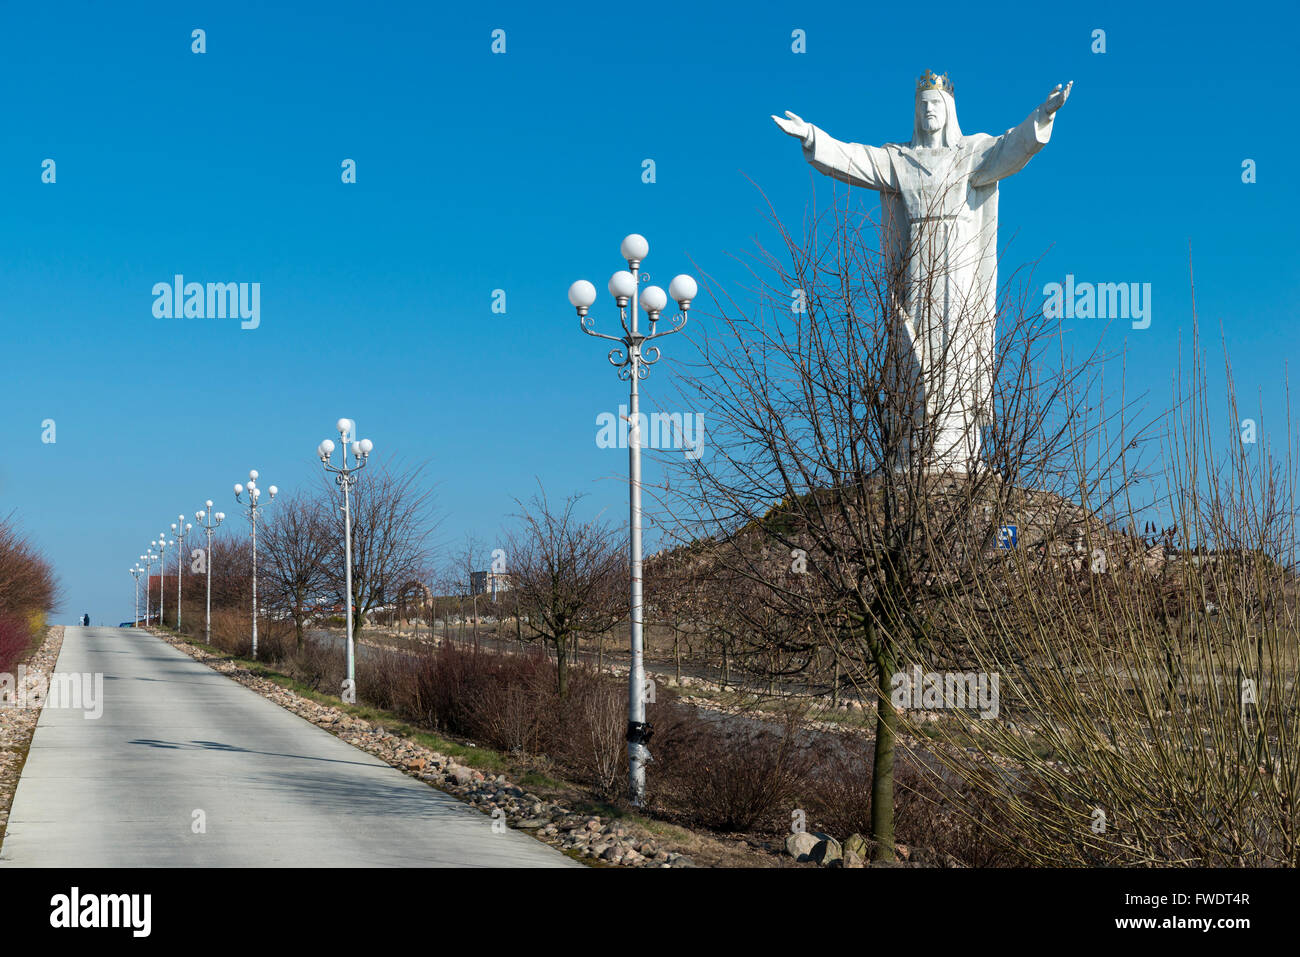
point(1007, 536)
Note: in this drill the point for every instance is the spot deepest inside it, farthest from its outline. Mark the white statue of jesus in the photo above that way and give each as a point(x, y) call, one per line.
point(939, 220)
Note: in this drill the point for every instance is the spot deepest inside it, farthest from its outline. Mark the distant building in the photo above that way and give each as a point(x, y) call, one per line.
point(488, 583)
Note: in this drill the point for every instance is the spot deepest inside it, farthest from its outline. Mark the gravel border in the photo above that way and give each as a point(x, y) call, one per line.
point(17, 725)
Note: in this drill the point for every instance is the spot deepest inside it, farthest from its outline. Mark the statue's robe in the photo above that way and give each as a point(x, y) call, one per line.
point(939, 224)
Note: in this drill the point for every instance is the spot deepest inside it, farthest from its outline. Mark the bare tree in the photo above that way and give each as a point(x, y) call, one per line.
point(678, 596)
point(827, 490)
point(392, 524)
point(467, 561)
point(297, 542)
point(231, 567)
point(570, 576)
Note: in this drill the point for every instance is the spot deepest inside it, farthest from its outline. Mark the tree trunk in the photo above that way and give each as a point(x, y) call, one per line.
point(562, 664)
point(882, 771)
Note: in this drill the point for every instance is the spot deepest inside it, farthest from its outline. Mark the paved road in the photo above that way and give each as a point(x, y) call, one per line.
point(176, 737)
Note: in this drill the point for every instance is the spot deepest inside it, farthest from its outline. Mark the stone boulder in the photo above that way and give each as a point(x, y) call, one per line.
point(827, 851)
point(800, 845)
point(857, 844)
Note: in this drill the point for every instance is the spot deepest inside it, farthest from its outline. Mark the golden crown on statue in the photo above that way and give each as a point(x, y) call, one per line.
point(932, 81)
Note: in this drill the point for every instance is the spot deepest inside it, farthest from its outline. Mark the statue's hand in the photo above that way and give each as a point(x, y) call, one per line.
point(1056, 99)
point(795, 126)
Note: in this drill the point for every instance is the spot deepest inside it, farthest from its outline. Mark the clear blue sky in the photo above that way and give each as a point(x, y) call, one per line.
point(522, 172)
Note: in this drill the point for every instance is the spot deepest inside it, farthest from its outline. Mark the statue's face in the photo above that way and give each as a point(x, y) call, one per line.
point(931, 111)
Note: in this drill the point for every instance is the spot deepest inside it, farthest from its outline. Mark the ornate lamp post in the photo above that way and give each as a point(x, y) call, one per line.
point(148, 559)
point(179, 530)
point(254, 493)
point(344, 477)
point(161, 544)
point(633, 361)
point(136, 572)
point(208, 521)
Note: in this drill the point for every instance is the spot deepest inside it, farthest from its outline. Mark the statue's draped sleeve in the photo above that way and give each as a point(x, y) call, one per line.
point(997, 157)
point(852, 163)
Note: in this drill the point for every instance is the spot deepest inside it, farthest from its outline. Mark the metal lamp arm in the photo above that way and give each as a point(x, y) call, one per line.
point(586, 322)
point(679, 323)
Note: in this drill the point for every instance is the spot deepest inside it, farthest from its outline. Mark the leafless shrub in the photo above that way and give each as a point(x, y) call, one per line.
point(515, 694)
point(726, 775)
point(27, 582)
point(592, 732)
point(319, 665)
point(232, 631)
point(1151, 713)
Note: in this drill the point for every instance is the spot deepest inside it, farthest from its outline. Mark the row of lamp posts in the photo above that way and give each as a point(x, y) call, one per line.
point(209, 521)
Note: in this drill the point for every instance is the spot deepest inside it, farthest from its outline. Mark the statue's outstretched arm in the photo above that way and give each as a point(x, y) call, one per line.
point(852, 163)
point(1001, 156)
point(794, 125)
point(1056, 99)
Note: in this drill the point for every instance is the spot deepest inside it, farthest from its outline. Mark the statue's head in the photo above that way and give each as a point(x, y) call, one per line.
point(931, 111)
point(936, 110)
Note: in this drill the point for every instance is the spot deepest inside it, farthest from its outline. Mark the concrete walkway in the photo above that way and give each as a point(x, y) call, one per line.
point(274, 790)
